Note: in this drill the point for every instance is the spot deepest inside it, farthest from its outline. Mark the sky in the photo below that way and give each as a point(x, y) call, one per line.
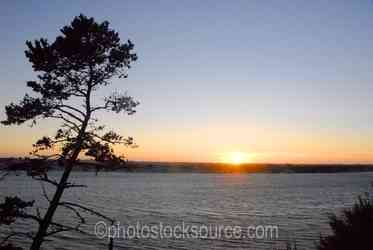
point(276, 81)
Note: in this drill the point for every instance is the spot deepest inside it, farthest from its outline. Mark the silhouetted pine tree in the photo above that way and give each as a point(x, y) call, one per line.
point(83, 59)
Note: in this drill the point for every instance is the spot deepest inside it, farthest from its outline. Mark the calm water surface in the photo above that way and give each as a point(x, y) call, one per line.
point(297, 203)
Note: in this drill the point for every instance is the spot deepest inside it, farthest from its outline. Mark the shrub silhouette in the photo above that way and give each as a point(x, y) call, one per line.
point(353, 229)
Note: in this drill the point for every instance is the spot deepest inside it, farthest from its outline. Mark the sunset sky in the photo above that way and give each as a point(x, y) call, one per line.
point(275, 81)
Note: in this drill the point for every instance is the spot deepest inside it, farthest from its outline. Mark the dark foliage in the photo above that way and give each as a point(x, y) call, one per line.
point(12, 208)
point(352, 230)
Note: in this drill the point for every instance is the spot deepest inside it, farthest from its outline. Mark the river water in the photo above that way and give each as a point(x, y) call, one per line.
point(297, 204)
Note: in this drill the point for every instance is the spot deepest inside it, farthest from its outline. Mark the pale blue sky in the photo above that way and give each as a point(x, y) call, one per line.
point(303, 66)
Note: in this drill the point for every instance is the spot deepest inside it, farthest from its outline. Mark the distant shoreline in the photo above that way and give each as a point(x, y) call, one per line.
point(168, 167)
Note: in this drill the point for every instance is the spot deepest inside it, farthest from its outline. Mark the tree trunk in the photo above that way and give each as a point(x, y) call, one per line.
point(43, 227)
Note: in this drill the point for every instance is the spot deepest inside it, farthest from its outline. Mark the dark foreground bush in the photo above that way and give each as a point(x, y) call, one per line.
point(353, 229)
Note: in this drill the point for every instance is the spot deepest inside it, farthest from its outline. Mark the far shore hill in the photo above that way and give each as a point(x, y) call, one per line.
point(21, 164)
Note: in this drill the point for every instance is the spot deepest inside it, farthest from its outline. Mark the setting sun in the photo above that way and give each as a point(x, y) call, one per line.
point(236, 158)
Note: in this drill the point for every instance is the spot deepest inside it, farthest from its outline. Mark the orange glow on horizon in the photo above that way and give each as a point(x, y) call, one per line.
point(203, 144)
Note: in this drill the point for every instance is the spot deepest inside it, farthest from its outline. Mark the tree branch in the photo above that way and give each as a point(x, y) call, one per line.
point(69, 114)
point(8, 237)
point(64, 203)
point(60, 116)
point(99, 108)
point(46, 157)
point(45, 178)
point(63, 228)
point(70, 185)
point(72, 108)
point(44, 192)
point(82, 219)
